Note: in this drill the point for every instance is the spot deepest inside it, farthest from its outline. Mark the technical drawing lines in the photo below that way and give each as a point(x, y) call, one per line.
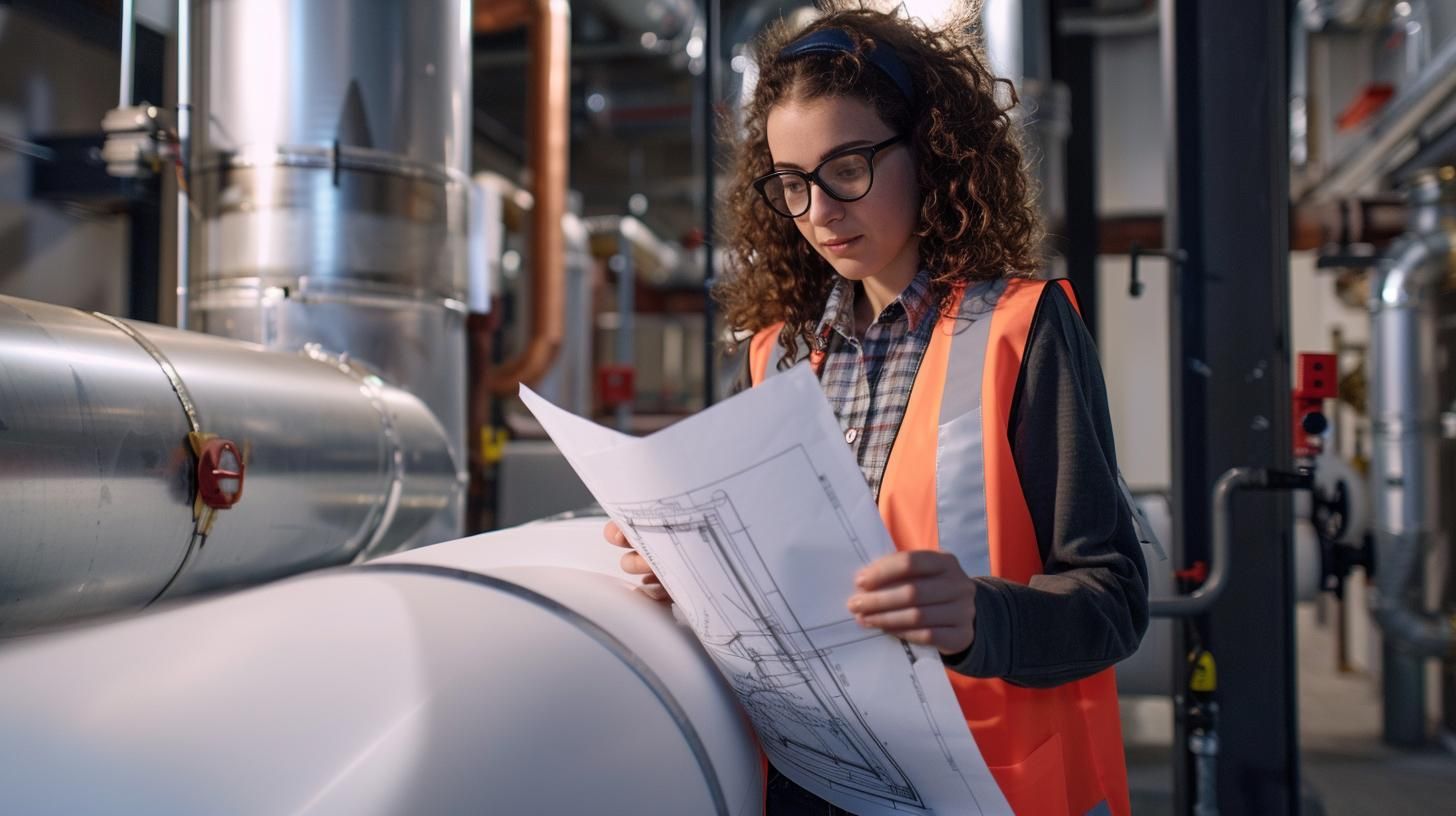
point(934, 728)
point(757, 529)
point(786, 681)
point(799, 726)
point(851, 536)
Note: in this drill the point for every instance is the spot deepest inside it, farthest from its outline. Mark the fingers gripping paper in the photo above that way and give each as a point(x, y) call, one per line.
point(755, 517)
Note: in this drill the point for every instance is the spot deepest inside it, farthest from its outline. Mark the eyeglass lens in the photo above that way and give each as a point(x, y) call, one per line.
point(846, 177)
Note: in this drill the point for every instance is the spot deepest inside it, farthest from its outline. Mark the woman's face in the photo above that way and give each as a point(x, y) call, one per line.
point(872, 237)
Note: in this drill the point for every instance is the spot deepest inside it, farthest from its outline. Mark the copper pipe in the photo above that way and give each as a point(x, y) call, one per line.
point(550, 82)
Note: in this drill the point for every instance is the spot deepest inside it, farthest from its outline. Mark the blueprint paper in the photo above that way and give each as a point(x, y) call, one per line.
point(756, 517)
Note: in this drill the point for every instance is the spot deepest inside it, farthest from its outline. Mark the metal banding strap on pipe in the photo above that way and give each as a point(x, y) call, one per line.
point(188, 407)
point(608, 641)
point(195, 541)
point(370, 385)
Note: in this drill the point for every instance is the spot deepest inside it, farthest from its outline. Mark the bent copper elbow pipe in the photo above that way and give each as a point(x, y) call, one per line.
point(549, 21)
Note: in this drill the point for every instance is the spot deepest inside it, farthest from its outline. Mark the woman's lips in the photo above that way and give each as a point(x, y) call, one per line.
point(841, 245)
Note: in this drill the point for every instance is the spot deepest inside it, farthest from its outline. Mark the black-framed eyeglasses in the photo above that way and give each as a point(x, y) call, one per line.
point(845, 176)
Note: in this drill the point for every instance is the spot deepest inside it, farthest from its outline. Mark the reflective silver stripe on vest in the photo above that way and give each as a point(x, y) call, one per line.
point(960, 467)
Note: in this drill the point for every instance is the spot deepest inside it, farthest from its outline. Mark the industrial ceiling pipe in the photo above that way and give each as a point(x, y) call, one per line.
point(1405, 414)
point(549, 22)
point(1133, 22)
point(1395, 124)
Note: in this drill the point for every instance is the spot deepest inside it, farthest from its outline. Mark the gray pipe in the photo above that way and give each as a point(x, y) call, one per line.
point(1416, 104)
point(184, 155)
point(1203, 598)
point(1405, 416)
point(128, 38)
point(98, 477)
point(1132, 23)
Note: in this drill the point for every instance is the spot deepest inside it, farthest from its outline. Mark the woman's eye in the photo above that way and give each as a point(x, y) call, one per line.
point(794, 187)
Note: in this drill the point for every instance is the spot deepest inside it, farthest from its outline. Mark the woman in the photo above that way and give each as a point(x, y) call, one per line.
point(883, 228)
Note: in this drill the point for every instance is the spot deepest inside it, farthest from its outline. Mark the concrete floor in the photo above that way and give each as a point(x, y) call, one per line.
point(1345, 764)
point(1346, 770)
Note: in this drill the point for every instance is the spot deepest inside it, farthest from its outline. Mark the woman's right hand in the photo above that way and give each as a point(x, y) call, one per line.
point(634, 564)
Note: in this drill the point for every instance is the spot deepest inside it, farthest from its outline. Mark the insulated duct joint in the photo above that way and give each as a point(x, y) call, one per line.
point(1416, 633)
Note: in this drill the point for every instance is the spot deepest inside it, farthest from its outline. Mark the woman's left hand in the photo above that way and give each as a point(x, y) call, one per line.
point(922, 596)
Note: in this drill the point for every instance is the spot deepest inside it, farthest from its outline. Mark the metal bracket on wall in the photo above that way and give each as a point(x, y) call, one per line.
point(1177, 257)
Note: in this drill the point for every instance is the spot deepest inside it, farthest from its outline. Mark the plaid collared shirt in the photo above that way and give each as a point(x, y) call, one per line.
point(868, 382)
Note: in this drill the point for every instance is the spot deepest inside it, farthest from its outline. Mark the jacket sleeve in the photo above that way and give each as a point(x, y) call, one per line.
point(1090, 607)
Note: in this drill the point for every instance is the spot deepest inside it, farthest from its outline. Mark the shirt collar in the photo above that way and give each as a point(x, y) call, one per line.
point(838, 316)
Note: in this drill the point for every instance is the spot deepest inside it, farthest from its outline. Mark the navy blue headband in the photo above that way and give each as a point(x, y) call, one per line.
point(838, 41)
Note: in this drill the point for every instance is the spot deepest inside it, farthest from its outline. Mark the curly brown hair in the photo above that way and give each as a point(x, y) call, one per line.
point(978, 216)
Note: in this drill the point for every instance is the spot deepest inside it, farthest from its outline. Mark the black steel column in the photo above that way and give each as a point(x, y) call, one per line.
point(1230, 375)
point(1073, 66)
point(712, 54)
point(144, 252)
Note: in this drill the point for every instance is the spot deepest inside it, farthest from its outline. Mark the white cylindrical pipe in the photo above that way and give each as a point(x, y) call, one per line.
point(444, 680)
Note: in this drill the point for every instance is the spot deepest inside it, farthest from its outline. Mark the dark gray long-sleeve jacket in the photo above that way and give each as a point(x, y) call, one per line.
point(1090, 607)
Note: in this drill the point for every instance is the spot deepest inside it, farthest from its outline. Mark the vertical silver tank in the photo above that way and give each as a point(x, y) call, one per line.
point(328, 172)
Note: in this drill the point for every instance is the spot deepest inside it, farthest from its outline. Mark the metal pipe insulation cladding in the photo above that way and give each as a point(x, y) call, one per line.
point(1407, 366)
point(99, 477)
point(328, 174)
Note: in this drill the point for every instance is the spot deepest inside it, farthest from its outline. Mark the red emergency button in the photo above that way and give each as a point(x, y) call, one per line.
point(220, 474)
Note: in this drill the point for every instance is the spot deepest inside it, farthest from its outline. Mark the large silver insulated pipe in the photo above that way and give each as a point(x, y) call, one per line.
point(100, 423)
point(330, 146)
point(1406, 413)
point(441, 680)
point(1405, 478)
point(1015, 34)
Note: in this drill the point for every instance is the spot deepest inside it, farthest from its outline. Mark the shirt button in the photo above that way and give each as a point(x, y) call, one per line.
point(851, 435)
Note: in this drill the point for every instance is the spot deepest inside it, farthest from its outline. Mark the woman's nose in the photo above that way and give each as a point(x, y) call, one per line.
point(823, 209)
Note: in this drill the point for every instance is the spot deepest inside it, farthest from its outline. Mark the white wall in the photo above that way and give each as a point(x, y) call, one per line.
point(1133, 345)
point(1133, 333)
point(1131, 156)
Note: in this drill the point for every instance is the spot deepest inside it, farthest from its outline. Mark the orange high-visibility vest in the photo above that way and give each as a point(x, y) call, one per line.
point(951, 484)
